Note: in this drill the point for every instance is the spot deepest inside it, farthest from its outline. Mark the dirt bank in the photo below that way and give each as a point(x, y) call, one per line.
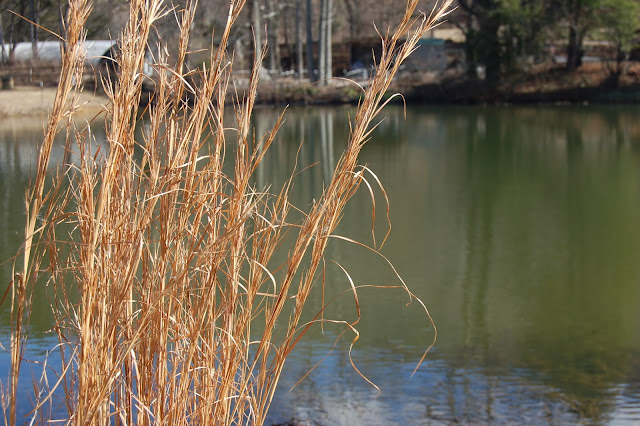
point(37, 102)
point(591, 83)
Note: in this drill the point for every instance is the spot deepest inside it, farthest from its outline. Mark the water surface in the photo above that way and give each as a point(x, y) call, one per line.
point(518, 228)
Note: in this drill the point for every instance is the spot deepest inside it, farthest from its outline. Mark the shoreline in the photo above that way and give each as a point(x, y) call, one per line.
point(456, 93)
point(465, 93)
point(563, 89)
point(592, 83)
point(36, 102)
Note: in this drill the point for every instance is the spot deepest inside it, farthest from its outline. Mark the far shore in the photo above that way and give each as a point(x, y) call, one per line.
point(590, 84)
point(36, 102)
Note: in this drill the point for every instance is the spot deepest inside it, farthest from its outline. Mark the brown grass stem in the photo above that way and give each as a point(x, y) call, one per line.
point(169, 302)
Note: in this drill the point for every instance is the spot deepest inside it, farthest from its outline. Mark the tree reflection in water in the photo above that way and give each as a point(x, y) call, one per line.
point(518, 227)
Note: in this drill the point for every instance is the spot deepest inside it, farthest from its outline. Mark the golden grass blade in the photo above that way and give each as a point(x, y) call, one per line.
point(170, 306)
point(386, 199)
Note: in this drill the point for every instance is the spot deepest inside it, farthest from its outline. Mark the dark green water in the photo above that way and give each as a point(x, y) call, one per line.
point(518, 227)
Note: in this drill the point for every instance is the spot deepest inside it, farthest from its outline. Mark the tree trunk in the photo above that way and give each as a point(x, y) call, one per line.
point(310, 66)
point(328, 42)
point(288, 16)
point(300, 60)
point(325, 42)
point(12, 45)
point(257, 30)
point(483, 44)
point(273, 27)
point(353, 19)
point(574, 49)
point(238, 52)
point(489, 48)
point(619, 68)
point(34, 29)
point(576, 35)
point(3, 57)
point(493, 61)
point(322, 57)
point(622, 58)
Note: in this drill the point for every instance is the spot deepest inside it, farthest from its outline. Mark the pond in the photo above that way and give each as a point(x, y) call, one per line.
point(517, 226)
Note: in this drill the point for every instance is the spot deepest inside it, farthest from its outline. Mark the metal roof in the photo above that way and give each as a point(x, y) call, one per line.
point(50, 51)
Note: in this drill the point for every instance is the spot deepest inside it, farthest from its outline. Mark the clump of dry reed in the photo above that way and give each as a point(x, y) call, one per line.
point(169, 305)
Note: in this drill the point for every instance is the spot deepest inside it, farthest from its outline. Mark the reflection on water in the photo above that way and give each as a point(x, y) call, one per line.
point(516, 226)
point(19, 142)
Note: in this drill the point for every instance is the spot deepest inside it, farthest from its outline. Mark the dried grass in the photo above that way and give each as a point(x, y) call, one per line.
point(170, 305)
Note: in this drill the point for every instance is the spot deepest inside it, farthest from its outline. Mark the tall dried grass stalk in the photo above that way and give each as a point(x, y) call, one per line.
point(170, 307)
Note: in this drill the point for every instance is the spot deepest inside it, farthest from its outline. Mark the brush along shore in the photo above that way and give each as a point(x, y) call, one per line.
point(590, 83)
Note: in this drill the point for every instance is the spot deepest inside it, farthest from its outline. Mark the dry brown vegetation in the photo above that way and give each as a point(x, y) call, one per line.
point(169, 303)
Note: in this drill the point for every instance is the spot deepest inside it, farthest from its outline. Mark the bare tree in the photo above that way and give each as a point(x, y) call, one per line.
point(354, 19)
point(325, 52)
point(299, 39)
point(310, 66)
point(274, 10)
point(328, 44)
point(3, 58)
point(35, 21)
point(256, 21)
point(322, 59)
